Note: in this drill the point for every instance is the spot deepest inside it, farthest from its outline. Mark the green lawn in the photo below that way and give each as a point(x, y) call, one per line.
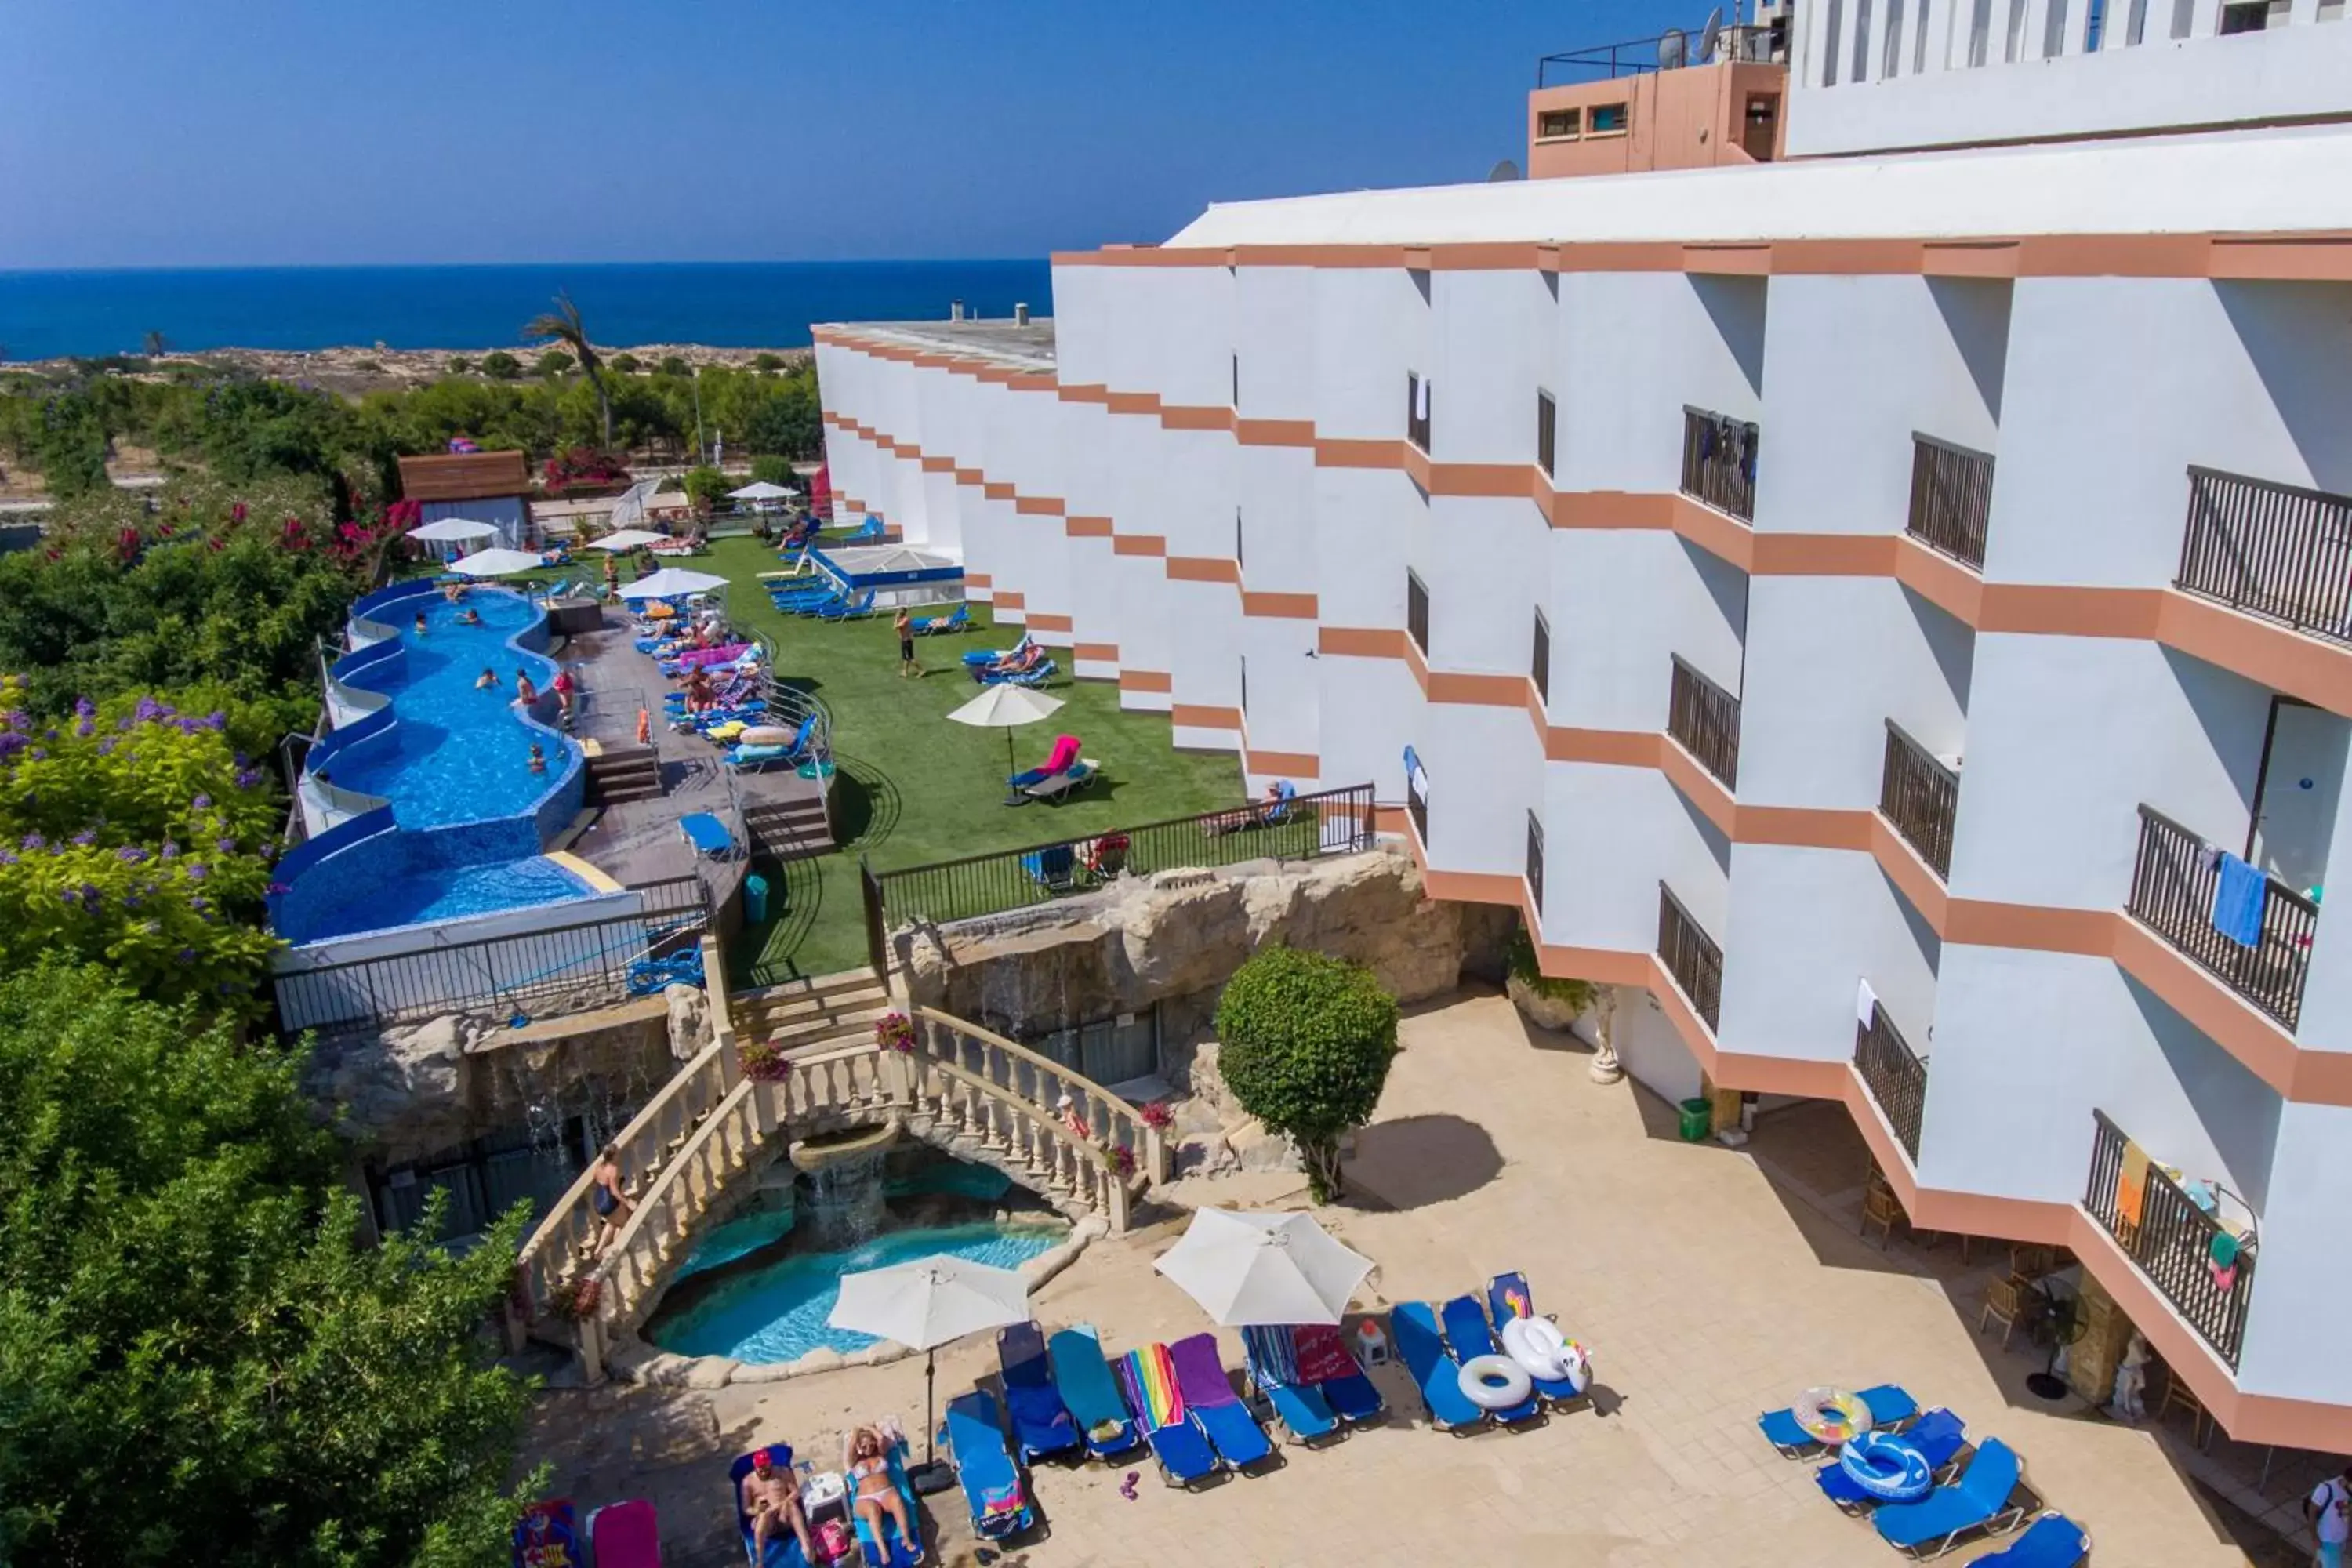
point(913, 788)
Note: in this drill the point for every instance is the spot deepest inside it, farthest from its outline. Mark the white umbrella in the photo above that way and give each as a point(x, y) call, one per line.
point(927, 1303)
point(1249, 1269)
point(627, 539)
point(761, 490)
point(497, 562)
point(670, 581)
point(454, 530)
point(1005, 707)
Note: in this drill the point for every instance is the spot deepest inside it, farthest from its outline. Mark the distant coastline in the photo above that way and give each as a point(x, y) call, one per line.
point(351, 371)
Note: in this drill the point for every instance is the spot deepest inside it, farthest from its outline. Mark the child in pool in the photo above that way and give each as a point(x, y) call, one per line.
point(537, 759)
point(420, 623)
point(469, 617)
point(486, 682)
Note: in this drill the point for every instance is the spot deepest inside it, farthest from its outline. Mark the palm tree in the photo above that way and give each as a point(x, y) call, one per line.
point(156, 343)
point(563, 323)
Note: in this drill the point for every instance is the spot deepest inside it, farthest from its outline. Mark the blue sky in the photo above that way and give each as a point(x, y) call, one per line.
point(222, 132)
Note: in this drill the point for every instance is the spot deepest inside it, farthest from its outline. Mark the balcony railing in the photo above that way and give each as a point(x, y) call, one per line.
point(1896, 1079)
point(2174, 881)
point(2271, 550)
point(1951, 497)
point(1918, 795)
point(1719, 462)
point(1417, 392)
point(1536, 862)
point(2170, 1238)
point(1690, 956)
point(1705, 718)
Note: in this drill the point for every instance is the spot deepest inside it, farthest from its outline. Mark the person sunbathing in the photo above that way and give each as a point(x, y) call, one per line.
point(874, 1493)
point(769, 1497)
point(1255, 815)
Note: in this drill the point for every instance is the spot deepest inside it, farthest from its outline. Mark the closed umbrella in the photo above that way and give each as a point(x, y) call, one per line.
point(1253, 1268)
point(454, 530)
point(627, 539)
point(670, 581)
point(500, 563)
point(1006, 707)
point(926, 1304)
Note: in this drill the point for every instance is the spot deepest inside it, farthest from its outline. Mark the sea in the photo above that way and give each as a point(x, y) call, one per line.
point(755, 304)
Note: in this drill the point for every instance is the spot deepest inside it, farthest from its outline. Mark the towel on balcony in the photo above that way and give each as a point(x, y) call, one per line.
point(2238, 902)
point(1865, 1003)
point(2131, 1183)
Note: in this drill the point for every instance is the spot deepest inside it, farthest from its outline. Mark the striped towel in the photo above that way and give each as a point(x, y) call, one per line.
point(1149, 1380)
point(1271, 1353)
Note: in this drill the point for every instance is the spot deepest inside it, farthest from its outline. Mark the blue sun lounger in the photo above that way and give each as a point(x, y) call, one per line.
point(2054, 1540)
point(1082, 1379)
point(1414, 1327)
point(1271, 1360)
point(883, 1545)
point(1891, 1407)
point(1180, 1446)
point(1507, 1297)
point(1986, 1498)
point(706, 834)
point(1042, 1424)
point(992, 1487)
point(1209, 1395)
point(934, 625)
point(783, 1546)
point(1939, 1435)
point(1469, 1337)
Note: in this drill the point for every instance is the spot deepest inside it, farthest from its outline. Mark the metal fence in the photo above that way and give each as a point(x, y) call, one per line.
point(1919, 795)
point(1706, 718)
point(1719, 461)
point(1952, 498)
point(587, 959)
point(1331, 822)
point(1690, 956)
point(2175, 879)
point(2170, 1236)
point(1896, 1079)
point(2274, 551)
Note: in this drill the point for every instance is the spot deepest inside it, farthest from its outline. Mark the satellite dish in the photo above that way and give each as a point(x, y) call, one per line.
point(1502, 172)
point(1710, 36)
point(1674, 50)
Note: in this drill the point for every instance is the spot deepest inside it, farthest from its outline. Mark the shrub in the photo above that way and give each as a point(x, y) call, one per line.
point(706, 486)
point(675, 364)
point(1525, 969)
point(765, 361)
point(626, 364)
point(500, 365)
point(554, 361)
point(584, 470)
point(460, 364)
point(774, 470)
point(1305, 1044)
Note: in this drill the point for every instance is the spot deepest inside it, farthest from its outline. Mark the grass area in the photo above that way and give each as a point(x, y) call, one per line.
point(913, 788)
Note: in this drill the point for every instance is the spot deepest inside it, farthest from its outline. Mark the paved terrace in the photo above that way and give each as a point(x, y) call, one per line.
point(1710, 1285)
point(1026, 346)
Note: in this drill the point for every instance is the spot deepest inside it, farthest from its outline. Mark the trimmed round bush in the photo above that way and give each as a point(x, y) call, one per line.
point(1304, 1044)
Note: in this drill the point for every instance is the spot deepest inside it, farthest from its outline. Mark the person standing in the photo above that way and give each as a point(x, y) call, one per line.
point(2329, 1511)
point(608, 1197)
point(904, 624)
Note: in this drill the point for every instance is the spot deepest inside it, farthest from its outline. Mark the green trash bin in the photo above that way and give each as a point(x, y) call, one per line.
point(755, 904)
point(1698, 1120)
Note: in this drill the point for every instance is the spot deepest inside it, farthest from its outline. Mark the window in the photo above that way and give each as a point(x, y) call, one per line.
point(1830, 42)
point(1979, 30)
point(1557, 124)
point(1608, 120)
point(1416, 613)
point(1536, 864)
point(1244, 686)
point(1237, 381)
point(2053, 30)
point(2251, 17)
point(1416, 410)
point(1547, 432)
point(1542, 667)
point(1238, 559)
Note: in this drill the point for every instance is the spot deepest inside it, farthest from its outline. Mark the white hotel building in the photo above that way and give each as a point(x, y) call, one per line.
point(1865, 586)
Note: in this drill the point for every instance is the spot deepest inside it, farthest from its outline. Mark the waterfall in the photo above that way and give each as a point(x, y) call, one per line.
point(844, 1203)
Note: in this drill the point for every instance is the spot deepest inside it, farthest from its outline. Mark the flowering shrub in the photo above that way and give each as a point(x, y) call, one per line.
point(1122, 1159)
point(762, 1060)
point(575, 1299)
point(894, 1032)
point(1155, 1114)
point(584, 471)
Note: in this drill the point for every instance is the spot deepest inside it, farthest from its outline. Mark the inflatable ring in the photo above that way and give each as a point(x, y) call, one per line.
point(1831, 1417)
point(1537, 1345)
point(768, 735)
point(1887, 1467)
point(1495, 1382)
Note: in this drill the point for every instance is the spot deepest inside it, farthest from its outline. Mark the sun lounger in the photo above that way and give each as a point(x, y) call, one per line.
point(1057, 787)
point(1991, 1495)
point(1272, 1363)
point(2054, 1540)
point(992, 1487)
point(1326, 1364)
point(1209, 1395)
point(935, 626)
point(706, 834)
point(1063, 753)
point(1042, 1424)
point(1507, 1297)
point(1939, 1435)
point(1468, 1336)
point(856, 609)
point(1421, 1349)
point(626, 1535)
point(1054, 869)
point(784, 1547)
point(978, 659)
point(1892, 1408)
point(1082, 1379)
point(1036, 675)
point(1180, 1448)
point(882, 1544)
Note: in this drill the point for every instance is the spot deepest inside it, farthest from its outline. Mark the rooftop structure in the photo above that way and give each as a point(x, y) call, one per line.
point(1673, 102)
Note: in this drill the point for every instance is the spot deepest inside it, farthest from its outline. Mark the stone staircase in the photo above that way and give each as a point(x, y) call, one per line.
point(789, 829)
point(618, 774)
point(832, 1009)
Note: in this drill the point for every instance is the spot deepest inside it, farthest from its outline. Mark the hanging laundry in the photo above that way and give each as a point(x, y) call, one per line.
point(1865, 1003)
point(2131, 1184)
point(2238, 897)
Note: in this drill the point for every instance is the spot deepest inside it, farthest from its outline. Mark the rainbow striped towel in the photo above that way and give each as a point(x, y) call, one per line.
point(1149, 1380)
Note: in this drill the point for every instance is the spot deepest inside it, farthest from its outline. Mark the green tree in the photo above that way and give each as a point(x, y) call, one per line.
point(786, 421)
point(706, 486)
point(553, 362)
point(764, 363)
point(774, 471)
point(199, 1360)
point(1304, 1043)
point(626, 363)
point(500, 365)
point(675, 364)
point(564, 325)
point(459, 364)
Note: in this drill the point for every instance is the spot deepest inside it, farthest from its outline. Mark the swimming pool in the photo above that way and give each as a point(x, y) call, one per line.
point(777, 1312)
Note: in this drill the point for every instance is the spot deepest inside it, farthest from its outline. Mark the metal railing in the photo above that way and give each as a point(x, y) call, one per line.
point(1690, 955)
point(1705, 718)
point(1536, 862)
point(2169, 1238)
point(1719, 461)
point(1306, 828)
point(1418, 398)
point(1918, 795)
point(1896, 1078)
point(587, 962)
point(2271, 550)
point(2175, 879)
point(1951, 499)
point(1639, 57)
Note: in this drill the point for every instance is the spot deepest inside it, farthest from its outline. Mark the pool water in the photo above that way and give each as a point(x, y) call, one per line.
point(401, 898)
point(777, 1312)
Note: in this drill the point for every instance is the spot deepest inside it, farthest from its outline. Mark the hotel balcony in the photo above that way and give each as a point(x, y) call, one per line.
point(1897, 1081)
point(1951, 499)
point(2175, 879)
point(2272, 550)
point(1719, 462)
point(2172, 1236)
point(1691, 956)
point(1705, 718)
point(1917, 794)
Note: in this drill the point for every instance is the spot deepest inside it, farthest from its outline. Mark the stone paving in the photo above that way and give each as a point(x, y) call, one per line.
point(1711, 1284)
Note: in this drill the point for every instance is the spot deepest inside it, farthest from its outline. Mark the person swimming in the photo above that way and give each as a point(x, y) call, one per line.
point(537, 759)
point(486, 682)
point(420, 623)
point(469, 617)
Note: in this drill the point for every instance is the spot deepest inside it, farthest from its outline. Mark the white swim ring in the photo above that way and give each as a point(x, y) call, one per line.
point(1495, 1382)
point(767, 735)
point(1537, 1344)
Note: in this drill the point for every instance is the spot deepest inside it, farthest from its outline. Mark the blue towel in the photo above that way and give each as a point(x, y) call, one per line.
point(2238, 902)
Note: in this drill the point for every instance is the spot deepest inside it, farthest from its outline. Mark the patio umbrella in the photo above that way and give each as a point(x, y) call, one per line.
point(497, 562)
point(670, 581)
point(627, 539)
point(926, 1304)
point(454, 530)
point(760, 490)
point(1005, 708)
point(1252, 1269)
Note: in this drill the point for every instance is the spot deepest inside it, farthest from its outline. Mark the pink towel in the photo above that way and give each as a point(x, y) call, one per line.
point(1065, 752)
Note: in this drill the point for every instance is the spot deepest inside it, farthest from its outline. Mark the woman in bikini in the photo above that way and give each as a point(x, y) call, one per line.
point(870, 1487)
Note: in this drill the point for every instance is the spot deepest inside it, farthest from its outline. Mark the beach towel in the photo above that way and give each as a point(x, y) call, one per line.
point(2131, 1183)
point(2238, 898)
point(1321, 1354)
point(1273, 1352)
point(1151, 1380)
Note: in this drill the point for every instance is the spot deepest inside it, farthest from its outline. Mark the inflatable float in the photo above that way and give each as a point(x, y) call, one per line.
point(1495, 1382)
point(1887, 1467)
point(1538, 1347)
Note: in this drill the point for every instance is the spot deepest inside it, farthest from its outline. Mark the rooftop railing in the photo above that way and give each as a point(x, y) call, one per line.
point(1896, 1078)
point(1919, 795)
point(1719, 461)
point(1639, 57)
point(2272, 550)
point(1690, 955)
point(2170, 1238)
point(1705, 718)
point(2176, 878)
point(1951, 499)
